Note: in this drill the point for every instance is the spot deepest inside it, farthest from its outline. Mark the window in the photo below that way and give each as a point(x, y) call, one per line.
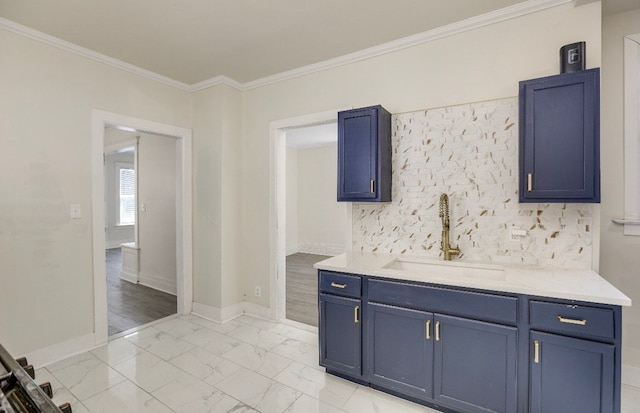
point(126, 196)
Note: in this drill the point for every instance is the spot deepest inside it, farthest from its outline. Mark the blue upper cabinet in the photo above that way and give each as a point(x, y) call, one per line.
point(560, 138)
point(364, 155)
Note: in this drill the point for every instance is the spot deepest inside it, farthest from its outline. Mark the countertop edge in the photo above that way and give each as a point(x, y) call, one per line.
point(615, 298)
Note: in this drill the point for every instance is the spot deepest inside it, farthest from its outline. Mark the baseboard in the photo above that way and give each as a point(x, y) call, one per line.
point(127, 275)
point(219, 315)
point(631, 375)
point(259, 311)
point(222, 315)
point(320, 248)
point(61, 351)
point(292, 249)
point(158, 283)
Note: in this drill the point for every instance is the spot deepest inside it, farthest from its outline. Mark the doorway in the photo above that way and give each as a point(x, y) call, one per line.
point(180, 139)
point(284, 250)
point(140, 227)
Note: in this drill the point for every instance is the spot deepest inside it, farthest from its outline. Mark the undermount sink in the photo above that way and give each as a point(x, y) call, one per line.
point(455, 269)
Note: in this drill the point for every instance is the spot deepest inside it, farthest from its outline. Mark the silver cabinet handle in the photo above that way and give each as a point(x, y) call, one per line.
point(336, 285)
point(356, 314)
point(428, 330)
point(437, 330)
point(536, 351)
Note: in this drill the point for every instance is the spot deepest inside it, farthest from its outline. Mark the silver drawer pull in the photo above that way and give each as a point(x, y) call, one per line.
point(572, 321)
point(336, 285)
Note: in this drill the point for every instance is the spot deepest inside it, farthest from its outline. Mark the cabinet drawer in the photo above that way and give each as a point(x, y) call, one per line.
point(481, 306)
point(572, 319)
point(340, 284)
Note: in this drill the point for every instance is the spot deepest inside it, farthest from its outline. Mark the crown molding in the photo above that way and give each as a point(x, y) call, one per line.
point(486, 19)
point(87, 53)
point(511, 12)
point(215, 81)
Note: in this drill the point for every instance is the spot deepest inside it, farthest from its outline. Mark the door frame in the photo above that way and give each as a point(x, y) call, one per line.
point(99, 120)
point(278, 202)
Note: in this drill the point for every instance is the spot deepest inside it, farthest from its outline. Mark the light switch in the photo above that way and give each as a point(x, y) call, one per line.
point(74, 211)
point(143, 207)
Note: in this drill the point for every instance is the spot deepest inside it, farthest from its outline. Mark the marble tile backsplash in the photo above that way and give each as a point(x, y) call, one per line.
point(470, 152)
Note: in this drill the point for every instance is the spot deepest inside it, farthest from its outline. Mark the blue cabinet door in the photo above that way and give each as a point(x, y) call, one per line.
point(340, 334)
point(400, 349)
point(475, 365)
point(569, 375)
point(364, 155)
point(559, 138)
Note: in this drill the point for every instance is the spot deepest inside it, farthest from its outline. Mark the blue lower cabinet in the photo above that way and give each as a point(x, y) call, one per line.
point(569, 375)
point(475, 365)
point(341, 334)
point(470, 351)
point(400, 349)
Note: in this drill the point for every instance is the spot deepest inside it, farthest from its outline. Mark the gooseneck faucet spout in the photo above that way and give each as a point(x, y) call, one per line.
point(445, 245)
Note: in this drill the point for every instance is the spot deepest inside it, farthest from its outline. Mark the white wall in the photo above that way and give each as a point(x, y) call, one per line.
point(115, 234)
point(482, 64)
point(217, 215)
point(157, 223)
point(322, 220)
point(292, 200)
point(46, 260)
point(619, 259)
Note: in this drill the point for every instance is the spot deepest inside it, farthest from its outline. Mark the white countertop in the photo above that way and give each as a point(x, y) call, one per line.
point(571, 284)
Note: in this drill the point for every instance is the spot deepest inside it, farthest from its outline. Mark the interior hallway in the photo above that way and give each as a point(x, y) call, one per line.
point(132, 305)
point(302, 288)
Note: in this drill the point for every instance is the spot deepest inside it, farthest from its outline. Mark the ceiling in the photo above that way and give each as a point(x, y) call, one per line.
point(191, 41)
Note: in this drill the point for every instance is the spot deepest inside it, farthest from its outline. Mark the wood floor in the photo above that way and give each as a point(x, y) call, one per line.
point(131, 305)
point(302, 288)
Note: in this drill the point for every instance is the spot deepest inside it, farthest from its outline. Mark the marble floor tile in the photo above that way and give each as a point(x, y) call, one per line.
point(221, 372)
point(60, 393)
point(256, 322)
point(305, 336)
point(69, 361)
point(297, 350)
point(177, 327)
point(116, 351)
point(296, 333)
point(368, 400)
point(259, 392)
point(161, 344)
point(257, 359)
point(212, 325)
point(212, 341)
point(204, 365)
point(317, 384)
point(149, 371)
point(185, 394)
point(125, 397)
point(87, 377)
point(307, 404)
point(257, 337)
point(216, 402)
point(630, 399)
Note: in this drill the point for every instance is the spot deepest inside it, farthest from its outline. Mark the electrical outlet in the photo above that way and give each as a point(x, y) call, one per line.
point(258, 291)
point(516, 235)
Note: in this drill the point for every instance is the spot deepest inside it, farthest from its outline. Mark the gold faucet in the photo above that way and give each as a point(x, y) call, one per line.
point(444, 216)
